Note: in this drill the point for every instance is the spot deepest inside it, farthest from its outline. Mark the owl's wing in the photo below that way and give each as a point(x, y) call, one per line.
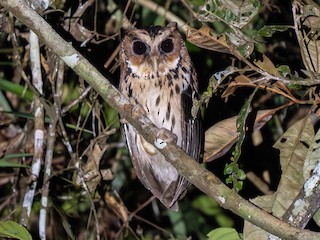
point(192, 134)
point(167, 192)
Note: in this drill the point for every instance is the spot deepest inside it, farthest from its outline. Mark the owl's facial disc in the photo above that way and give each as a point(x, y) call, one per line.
point(140, 48)
point(153, 52)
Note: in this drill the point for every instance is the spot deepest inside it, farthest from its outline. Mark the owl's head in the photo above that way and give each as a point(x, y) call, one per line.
point(153, 51)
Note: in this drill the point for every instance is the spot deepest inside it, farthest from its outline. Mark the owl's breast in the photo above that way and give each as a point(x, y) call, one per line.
point(162, 103)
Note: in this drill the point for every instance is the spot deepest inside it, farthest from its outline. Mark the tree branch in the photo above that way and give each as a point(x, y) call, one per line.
point(154, 7)
point(186, 166)
point(38, 130)
point(307, 203)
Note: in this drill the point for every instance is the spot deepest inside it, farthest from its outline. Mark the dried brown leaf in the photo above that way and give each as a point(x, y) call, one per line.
point(115, 203)
point(307, 20)
point(242, 78)
point(229, 90)
point(267, 65)
point(221, 136)
point(91, 169)
point(234, 85)
point(250, 231)
point(205, 38)
point(79, 32)
point(293, 145)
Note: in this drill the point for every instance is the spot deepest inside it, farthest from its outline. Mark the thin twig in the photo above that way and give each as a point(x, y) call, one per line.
point(82, 96)
point(46, 179)
point(163, 12)
point(38, 129)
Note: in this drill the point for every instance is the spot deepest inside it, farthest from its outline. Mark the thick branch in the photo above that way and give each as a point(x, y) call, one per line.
point(307, 203)
point(186, 166)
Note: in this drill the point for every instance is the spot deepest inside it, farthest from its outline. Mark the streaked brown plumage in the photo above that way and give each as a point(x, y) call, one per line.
point(157, 73)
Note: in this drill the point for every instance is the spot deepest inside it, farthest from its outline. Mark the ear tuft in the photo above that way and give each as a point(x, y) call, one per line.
point(125, 31)
point(173, 26)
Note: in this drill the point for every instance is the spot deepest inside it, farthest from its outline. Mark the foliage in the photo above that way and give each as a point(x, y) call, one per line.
point(14, 230)
point(223, 234)
point(255, 96)
point(235, 174)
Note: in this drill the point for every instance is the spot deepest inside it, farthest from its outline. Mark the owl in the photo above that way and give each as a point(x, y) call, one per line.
point(158, 76)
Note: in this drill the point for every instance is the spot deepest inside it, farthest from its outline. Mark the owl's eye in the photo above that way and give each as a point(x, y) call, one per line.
point(139, 47)
point(167, 45)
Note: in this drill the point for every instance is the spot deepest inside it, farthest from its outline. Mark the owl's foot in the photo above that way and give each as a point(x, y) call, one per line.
point(123, 121)
point(164, 136)
point(137, 110)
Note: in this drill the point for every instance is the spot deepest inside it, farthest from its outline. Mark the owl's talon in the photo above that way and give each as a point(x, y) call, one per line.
point(137, 110)
point(133, 101)
point(165, 136)
point(123, 121)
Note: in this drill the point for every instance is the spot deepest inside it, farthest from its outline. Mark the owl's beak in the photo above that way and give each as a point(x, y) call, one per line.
point(155, 64)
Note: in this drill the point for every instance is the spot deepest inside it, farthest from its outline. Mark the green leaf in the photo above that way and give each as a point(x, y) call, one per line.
point(229, 180)
point(177, 220)
point(268, 31)
point(228, 169)
point(24, 115)
point(284, 70)
point(241, 174)
point(224, 220)
point(236, 175)
point(11, 229)
point(4, 162)
point(241, 121)
point(223, 234)
point(233, 13)
point(207, 205)
point(197, 3)
point(246, 49)
point(4, 102)
point(239, 185)
point(16, 89)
